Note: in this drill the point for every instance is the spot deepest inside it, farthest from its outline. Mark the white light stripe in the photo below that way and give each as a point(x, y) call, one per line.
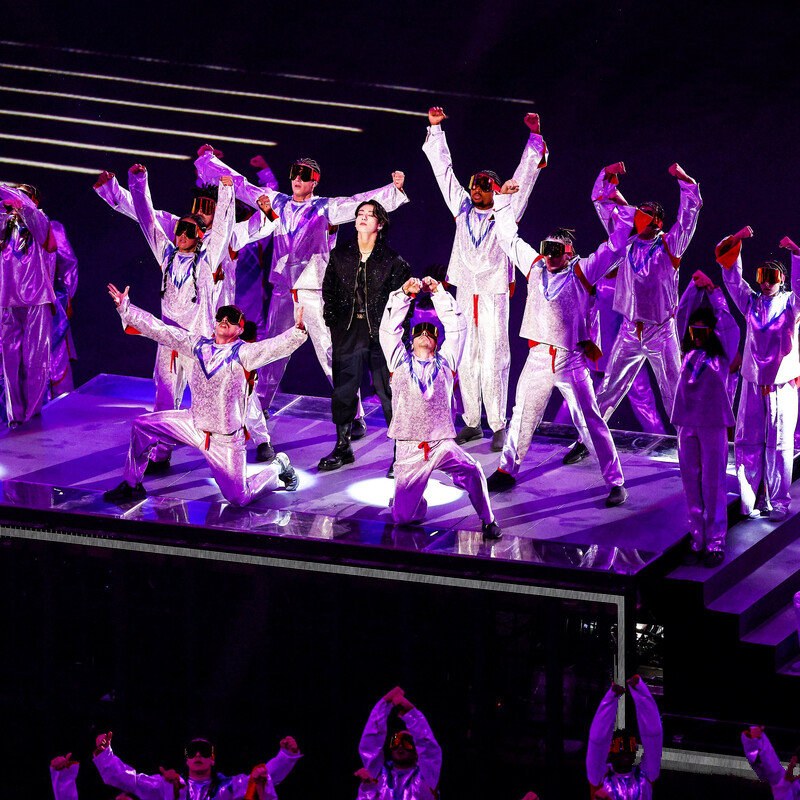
point(178, 109)
point(86, 146)
point(208, 137)
point(48, 165)
point(208, 90)
point(435, 92)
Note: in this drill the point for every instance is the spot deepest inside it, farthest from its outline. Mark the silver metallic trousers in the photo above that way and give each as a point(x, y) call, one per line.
point(414, 464)
point(545, 369)
point(765, 428)
point(703, 458)
point(225, 454)
point(483, 371)
point(636, 342)
point(25, 335)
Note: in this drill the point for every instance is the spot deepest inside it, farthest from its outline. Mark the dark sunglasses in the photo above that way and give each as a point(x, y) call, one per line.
point(204, 205)
point(699, 333)
point(402, 739)
point(554, 249)
point(304, 172)
point(486, 183)
point(233, 314)
point(189, 229)
point(769, 275)
point(199, 747)
point(425, 327)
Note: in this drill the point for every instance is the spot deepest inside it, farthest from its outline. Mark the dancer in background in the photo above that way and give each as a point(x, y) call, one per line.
point(201, 778)
point(483, 274)
point(562, 336)
point(302, 241)
point(422, 392)
point(27, 299)
point(411, 770)
point(702, 414)
point(65, 285)
point(767, 415)
point(761, 755)
point(611, 755)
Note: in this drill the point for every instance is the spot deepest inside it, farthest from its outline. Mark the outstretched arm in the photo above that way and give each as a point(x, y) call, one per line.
point(210, 169)
point(284, 762)
point(606, 194)
point(729, 256)
point(63, 774)
point(370, 748)
point(600, 733)
point(438, 153)
point(391, 197)
point(156, 236)
point(394, 315)
point(114, 772)
point(761, 755)
point(453, 321)
point(253, 355)
point(680, 234)
point(650, 730)
point(108, 188)
point(518, 250)
point(609, 253)
point(534, 159)
point(224, 220)
point(35, 220)
point(428, 750)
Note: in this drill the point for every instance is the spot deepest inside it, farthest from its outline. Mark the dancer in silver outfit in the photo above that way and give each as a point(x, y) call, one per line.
point(646, 291)
point(761, 755)
point(412, 771)
point(215, 424)
point(422, 393)
point(767, 415)
point(483, 274)
point(610, 755)
point(27, 298)
point(562, 332)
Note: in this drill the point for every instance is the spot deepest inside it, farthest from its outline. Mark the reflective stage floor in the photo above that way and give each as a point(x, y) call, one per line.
point(555, 516)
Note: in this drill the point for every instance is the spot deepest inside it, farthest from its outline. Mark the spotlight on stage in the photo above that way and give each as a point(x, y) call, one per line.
point(379, 491)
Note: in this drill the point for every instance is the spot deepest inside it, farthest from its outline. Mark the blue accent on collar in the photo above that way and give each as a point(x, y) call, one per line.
point(220, 356)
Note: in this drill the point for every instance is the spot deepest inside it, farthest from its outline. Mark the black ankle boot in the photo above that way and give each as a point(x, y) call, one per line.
point(342, 453)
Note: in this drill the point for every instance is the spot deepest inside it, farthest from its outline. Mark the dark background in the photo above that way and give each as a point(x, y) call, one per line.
point(712, 86)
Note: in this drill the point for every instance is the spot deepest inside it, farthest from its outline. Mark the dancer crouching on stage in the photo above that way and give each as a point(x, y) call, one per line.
point(422, 393)
point(358, 280)
point(561, 334)
point(767, 414)
point(610, 761)
point(219, 368)
point(415, 758)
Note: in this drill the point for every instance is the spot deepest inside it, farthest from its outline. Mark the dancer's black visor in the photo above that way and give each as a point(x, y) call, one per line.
point(554, 249)
point(425, 327)
point(204, 205)
point(188, 228)
point(234, 315)
point(200, 747)
point(699, 334)
point(484, 182)
point(304, 172)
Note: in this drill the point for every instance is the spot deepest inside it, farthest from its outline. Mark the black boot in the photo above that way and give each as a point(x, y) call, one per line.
point(342, 454)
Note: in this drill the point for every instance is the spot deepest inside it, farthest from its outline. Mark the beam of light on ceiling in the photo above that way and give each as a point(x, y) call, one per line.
point(47, 165)
point(209, 90)
point(205, 137)
point(101, 147)
point(292, 76)
point(179, 109)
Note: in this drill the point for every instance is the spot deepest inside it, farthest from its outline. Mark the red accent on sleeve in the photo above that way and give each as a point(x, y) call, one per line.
point(130, 329)
point(727, 251)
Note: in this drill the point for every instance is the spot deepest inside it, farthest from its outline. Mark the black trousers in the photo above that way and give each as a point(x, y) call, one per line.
point(353, 350)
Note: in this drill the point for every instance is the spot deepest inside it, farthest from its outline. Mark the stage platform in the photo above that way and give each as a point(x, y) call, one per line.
point(555, 517)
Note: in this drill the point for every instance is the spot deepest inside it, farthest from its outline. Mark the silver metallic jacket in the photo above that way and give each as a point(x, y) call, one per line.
point(647, 281)
point(478, 265)
point(218, 379)
point(770, 348)
point(557, 311)
point(422, 391)
point(306, 232)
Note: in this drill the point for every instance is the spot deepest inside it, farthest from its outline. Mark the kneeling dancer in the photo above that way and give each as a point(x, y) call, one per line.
point(422, 393)
point(561, 333)
point(221, 368)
